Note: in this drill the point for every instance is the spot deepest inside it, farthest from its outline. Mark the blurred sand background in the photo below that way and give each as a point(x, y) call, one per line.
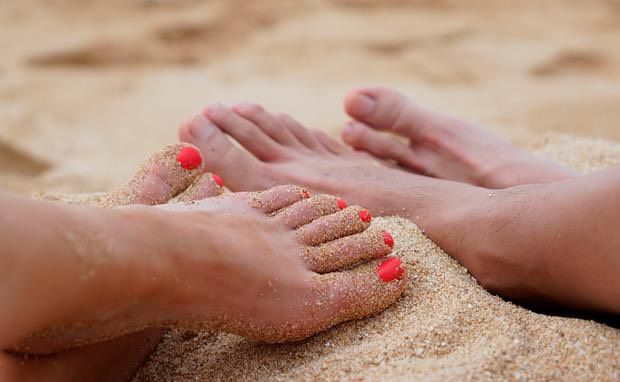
point(89, 87)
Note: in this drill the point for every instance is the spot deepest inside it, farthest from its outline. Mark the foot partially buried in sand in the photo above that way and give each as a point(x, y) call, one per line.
point(277, 265)
point(485, 200)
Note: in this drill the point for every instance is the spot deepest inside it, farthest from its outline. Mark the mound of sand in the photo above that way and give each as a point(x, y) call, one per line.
point(446, 327)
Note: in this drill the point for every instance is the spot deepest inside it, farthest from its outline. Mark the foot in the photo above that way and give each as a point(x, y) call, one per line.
point(284, 266)
point(275, 266)
point(279, 150)
point(440, 145)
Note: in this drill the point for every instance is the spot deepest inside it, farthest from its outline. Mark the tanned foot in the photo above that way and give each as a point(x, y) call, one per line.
point(438, 144)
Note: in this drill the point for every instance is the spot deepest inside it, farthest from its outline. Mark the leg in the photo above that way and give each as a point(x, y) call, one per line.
point(158, 180)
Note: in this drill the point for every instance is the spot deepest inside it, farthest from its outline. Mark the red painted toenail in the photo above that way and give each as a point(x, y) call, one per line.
point(342, 204)
point(189, 158)
point(390, 269)
point(389, 240)
point(218, 180)
point(365, 216)
point(306, 194)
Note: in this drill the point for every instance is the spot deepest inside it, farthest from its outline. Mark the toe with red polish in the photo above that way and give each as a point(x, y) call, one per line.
point(342, 204)
point(391, 269)
point(217, 180)
point(388, 239)
point(189, 158)
point(365, 216)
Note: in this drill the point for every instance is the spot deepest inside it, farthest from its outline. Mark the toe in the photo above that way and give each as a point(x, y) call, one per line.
point(329, 143)
point(347, 251)
point(164, 175)
point(363, 291)
point(361, 137)
point(247, 133)
point(267, 122)
point(222, 157)
point(347, 222)
point(301, 133)
point(277, 198)
point(306, 211)
point(206, 186)
point(385, 109)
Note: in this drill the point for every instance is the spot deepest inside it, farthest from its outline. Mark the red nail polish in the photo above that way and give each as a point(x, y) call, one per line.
point(218, 180)
point(189, 158)
point(365, 216)
point(306, 194)
point(390, 269)
point(342, 204)
point(389, 240)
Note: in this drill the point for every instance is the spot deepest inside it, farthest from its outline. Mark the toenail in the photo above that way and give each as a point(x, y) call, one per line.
point(388, 239)
point(189, 158)
point(365, 216)
point(364, 105)
point(390, 269)
point(218, 180)
point(306, 194)
point(342, 204)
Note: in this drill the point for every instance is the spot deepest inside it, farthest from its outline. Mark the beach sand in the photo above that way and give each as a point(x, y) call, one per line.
point(89, 88)
point(445, 328)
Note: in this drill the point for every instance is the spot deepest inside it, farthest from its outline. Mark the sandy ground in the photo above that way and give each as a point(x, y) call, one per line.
point(88, 88)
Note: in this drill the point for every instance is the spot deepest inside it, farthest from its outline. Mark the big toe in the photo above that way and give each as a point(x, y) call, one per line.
point(363, 291)
point(386, 109)
point(236, 167)
point(164, 175)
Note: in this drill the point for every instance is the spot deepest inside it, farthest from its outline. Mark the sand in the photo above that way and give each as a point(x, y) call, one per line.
point(89, 88)
point(445, 327)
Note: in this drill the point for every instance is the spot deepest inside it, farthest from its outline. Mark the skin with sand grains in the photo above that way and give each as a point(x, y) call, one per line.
point(485, 180)
point(301, 264)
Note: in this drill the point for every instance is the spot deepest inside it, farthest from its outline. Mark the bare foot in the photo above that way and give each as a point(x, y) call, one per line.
point(281, 151)
point(438, 144)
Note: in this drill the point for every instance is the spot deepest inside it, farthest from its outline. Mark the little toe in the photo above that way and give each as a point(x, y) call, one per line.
point(308, 210)
point(301, 133)
point(207, 186)
point(384, 109)
point(279, 197)
point(267, 122)
point(347, 251)
point(361, 137)
point(247, 133)
point(363, 291)
point(347, 222)
point(163, 176)
point(221, 156)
